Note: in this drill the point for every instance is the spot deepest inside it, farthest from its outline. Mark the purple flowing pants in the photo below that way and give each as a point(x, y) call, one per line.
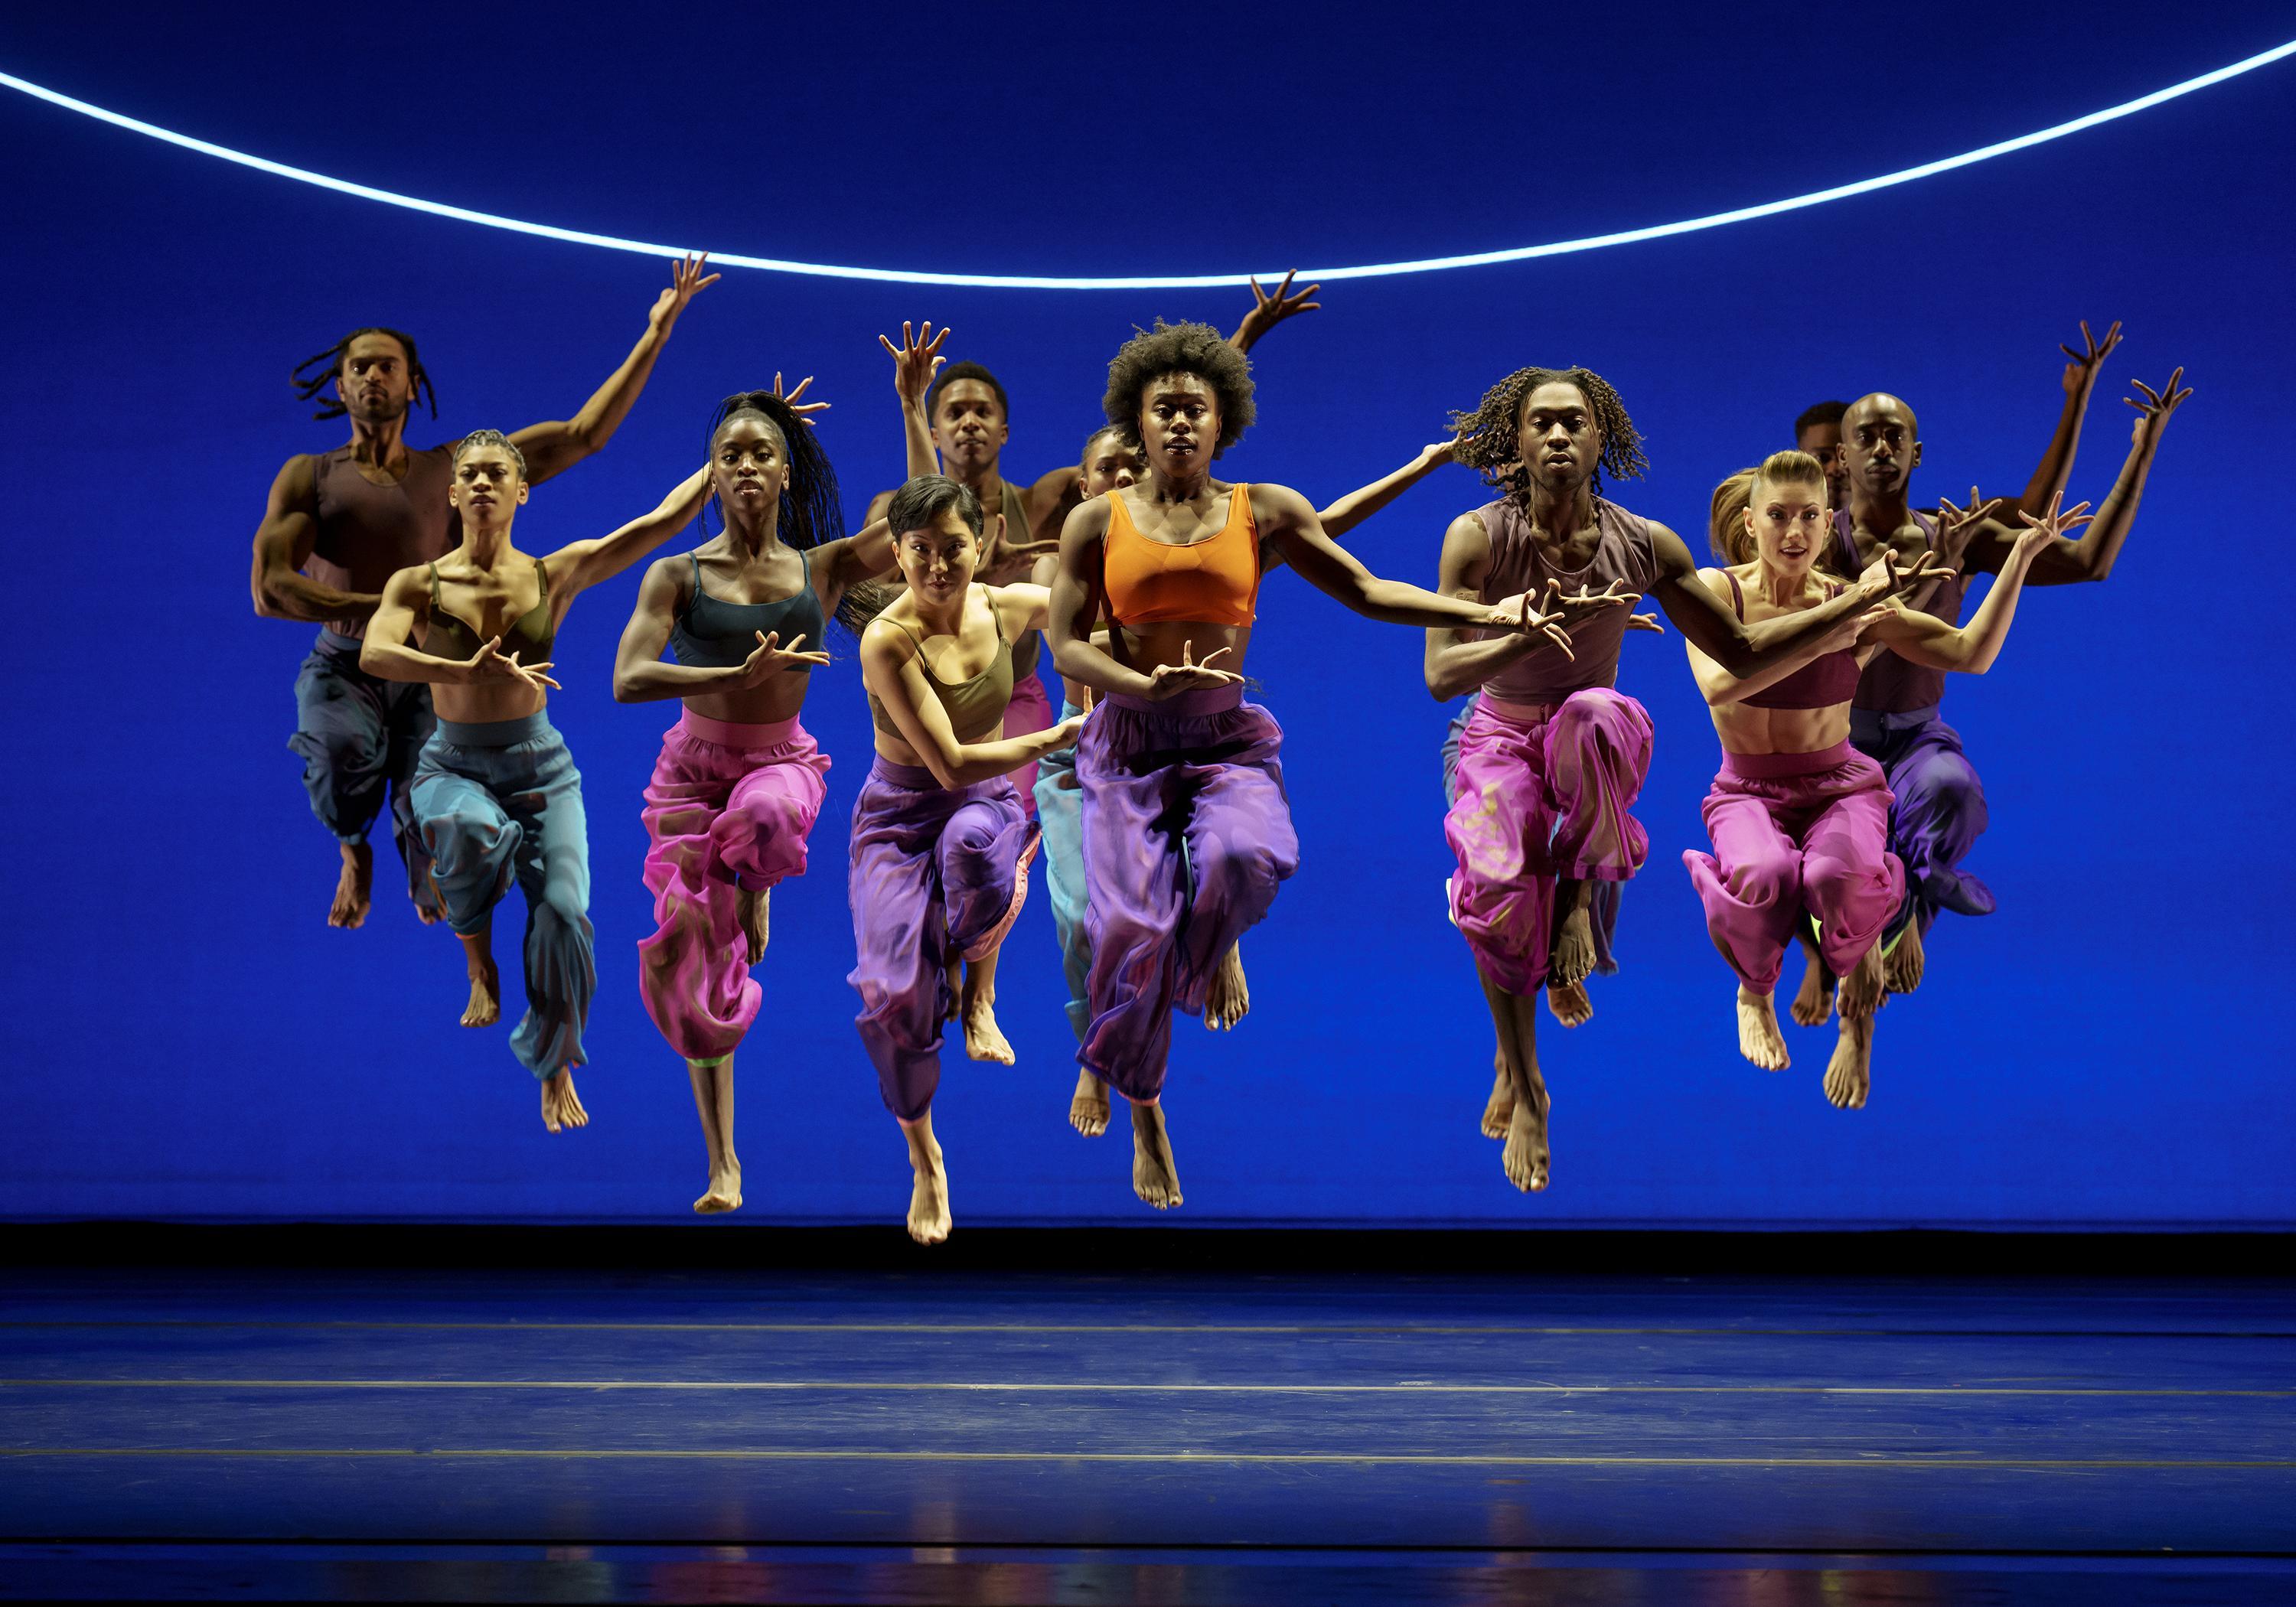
point(1186, 835)
point(1544, 792)
point(728, 808)
point(937, 873)
point(1794, 832)
point(1939, 814)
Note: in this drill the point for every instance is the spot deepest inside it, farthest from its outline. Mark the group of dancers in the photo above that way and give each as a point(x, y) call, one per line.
point(1153, 800)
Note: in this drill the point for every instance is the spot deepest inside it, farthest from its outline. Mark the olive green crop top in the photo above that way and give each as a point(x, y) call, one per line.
point(976, 707)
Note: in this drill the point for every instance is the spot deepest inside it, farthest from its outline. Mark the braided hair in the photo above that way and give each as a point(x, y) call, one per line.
point(812, 513)
point(1490, 437)
point(314, 378)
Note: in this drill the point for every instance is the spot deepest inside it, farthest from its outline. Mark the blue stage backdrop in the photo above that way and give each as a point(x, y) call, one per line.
point(185, 1037)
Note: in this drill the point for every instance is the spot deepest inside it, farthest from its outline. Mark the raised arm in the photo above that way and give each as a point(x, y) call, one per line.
point(915, 360)
point(1357, 506)
point(2063, 562)
point(282, 546)
point(1289, 525)
point(1268, 311)
point(1756, 656)
point(642, 676)
point(838, 566)
point(890, 669)
point(387, 652)
point(557, 446)
point(581, 564)
point(2056, 465)
point(1925, 639)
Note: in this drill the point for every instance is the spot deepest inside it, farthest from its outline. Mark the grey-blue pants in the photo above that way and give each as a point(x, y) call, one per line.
point(1059, 812)
point(360, 736)
point(502, 801)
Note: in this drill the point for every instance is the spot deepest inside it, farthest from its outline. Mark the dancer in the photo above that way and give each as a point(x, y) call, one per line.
point(497, 796)
point(739, 783)
point(1799, 819)
point(1940, 802)
point(1552, 756)
point(1111, 464)
point(1186, 829)
point(340, 523)
point(1818, 432)
point(940, 845)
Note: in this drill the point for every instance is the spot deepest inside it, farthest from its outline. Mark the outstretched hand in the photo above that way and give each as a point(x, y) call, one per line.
point(1576, 605)
point(1516, 614)
point(1170, 680)
point(802, 409)
point(2153, 413)
point(1436, 453)
point(2080, 374)
point(1897, 578)
point(915, 360)
point(768, 659)
point(686, 281)
point(1955, 526)
point(489, 663)
point(1645, 622)
point(999, 552)
point(1268, 311)
point(2058, 522)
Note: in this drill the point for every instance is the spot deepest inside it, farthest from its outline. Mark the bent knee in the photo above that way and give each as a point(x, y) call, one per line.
point(1761, 883)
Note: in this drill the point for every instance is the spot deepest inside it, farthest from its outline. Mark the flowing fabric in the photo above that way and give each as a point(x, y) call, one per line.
point(360, 737)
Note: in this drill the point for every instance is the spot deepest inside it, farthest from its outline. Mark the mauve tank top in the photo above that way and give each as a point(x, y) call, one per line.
point(1623, 554)
point(368, 533)
point(1016, 529)
point(1825, 681)
point(1891, 684)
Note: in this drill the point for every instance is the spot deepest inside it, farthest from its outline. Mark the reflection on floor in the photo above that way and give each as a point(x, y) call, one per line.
point(783, 1436)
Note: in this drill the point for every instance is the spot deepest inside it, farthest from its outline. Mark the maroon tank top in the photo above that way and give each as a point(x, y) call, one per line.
point(1891, 684)
point(1828, 680)
point(1622, 553)
point(368, 533)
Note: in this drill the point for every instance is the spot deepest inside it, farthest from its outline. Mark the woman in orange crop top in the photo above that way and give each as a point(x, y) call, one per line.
point(1176, 562)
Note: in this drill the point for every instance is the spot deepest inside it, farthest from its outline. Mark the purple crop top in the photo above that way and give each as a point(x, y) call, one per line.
point(1826, 680)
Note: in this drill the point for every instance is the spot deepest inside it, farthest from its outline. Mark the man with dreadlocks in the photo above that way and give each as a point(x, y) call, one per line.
point(739, 783)
point(1188, 832)
point(340, 523)
point(1553, 756)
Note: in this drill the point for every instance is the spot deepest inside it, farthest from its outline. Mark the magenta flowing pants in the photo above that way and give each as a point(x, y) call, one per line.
point(1187, 833)
point(1030, 711)
point(1796, 831)
point(937, 873)
point(729, 808)
point(1544, 792)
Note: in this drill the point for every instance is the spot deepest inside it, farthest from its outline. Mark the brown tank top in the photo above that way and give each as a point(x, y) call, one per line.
point(1891, 684)
point(1624, 553)
point(368, 533)
point(975, 707)
point(1031, 643)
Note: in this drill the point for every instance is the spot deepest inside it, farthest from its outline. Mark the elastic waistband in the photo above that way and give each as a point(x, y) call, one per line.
point(496, 734)
point(334, 641)
point(1519, 714)
point(1187, 705)
point(1866, 723)
point(737, 733)
point(1776, 766)
point(916, 778)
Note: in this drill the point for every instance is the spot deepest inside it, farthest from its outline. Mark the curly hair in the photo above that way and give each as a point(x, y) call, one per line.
point(1490, 438)
point(811, 511)
point(314, 378)
point(1170, 348)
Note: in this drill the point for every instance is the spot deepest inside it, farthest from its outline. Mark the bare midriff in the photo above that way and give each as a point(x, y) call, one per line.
point(778, 700)
point(1747, 730)
point(1147, 647)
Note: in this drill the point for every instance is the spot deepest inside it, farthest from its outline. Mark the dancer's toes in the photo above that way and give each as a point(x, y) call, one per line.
point(1759, 1037)
point(749, 906)
point(1865, 989)
point(1569, 1005)
point(561, 1107)
point(1499, 1110)
point(1902, 971)
point(929, 1219)
point(1849, 1074)
point(1813, 1004)
point(725, 1192)
point(1229, 999)
point(485, 1006)
point(983, 1039)
point(1525, 1157)
point(352, 887)
point(1572, 959)
point(1154, 1177)
point(1088, 1105)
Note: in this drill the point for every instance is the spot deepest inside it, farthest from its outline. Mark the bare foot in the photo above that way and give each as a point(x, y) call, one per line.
point(1500, 1109)
point(983, 1039)
point(429, 914)
point(1813, 1004)
point(1088, 1105)
point(485, 1008)
point(1569, 1005)
point(725, 1191)
point(1154, 1178)
point(1849, 1074)
point(1759, 1037)
point(1903, 970)
point(751, 909)
point(1229, 999)
point(1573, 955)
point(1525, 1157)
point(353, 887)
point(929, 1219)
point(561, 1106)
point(1864, 990)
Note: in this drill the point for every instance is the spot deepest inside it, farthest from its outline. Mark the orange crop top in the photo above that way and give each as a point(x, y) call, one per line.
point(1215, 581)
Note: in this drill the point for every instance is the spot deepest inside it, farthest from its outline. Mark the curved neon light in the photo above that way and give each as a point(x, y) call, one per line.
point(1156, 282)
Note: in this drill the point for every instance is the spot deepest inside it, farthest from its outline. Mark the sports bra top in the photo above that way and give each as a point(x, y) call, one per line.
point(1215, 581)
point(975, 707)
point(1828, 680)
point(529, 635)
point(717, 635)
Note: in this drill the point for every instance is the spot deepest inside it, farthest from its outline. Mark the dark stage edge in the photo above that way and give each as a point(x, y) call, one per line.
point(584, 1414)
